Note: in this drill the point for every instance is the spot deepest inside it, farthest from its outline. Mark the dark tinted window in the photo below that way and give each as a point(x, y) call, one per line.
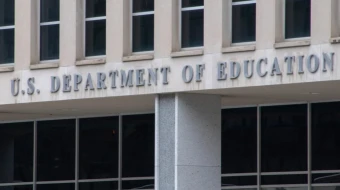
point(325, 136)
point(143, 5)
point(95, 37)
point(192, 28)
point(297, 18)
point(145, 184)
point(284, 138)
point(56, 151)
point(239, 140)
point(65, 186)
point(7, 46)
point(192, 3)
point(7, 12)
point(244, 23)
point(138, 145)
point(99, 186)
point(239, 181)
point(16, 152)
point(95, 8)
point(143, 33)
point(21, 187)
point(98, 148)
point(49, 42)
point(49, 10)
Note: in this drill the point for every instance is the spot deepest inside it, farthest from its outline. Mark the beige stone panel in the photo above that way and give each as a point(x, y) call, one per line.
point(26, 28)
point(163, 32)
point(265, 24)
point(71, 31)
point(213, 26)
point(321, 21)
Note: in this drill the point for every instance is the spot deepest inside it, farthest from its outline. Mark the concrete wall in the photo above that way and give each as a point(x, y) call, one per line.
point(216, 39)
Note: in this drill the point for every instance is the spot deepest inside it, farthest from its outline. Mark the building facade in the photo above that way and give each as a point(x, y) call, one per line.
point(169, 94)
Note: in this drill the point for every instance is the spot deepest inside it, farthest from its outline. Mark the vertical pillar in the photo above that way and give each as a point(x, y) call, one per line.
point(71, 31)
point(26, 37)
point(321, 21)
point(268, 24)
point(213, 26)
point(188, 142)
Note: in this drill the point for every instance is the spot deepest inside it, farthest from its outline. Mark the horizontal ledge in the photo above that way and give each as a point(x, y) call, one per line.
point(6, 68)
point(137, 57)
point(335, 40)
point(233, 49)
point(288, 44)
point(95, 61)
point(44, 65)
point(186, 53)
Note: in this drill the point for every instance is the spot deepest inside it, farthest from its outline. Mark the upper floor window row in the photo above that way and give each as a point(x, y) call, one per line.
point(191, 25)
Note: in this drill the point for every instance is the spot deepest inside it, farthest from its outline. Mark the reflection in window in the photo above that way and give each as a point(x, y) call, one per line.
point(95, 28)
point(98, 148)
point(297, 18)
point(65, 186)
point(107, 185)
point(143, 25)
point(192, 23)
point(138, 145)
point(56, 150)
point(49, 29)
point(325, 136)
point(284, 138)
point(243, 21)
point(16, 152)
point(141, 184)
point(6, 31)
point(239, 140)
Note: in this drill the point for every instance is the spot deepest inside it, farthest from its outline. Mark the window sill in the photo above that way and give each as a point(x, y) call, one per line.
point(187, 53)
point(289, 44)
point(138, 57)
point(335, 40)
point(50, 65)
point(96, 61)
point(6, 68)
point(243, 48)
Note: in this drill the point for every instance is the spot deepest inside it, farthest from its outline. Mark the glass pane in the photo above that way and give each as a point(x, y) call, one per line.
point(325, 136)
point(7, 46)
point(284, 138)
point(66, 186)
point(24, 187)
point(326, 178)
point(143, 5)
point(326, 188)
point(107, 185)
point(98, 148)
point(239, 181)
point(143, 33)
point(146, 184)
point(285, 188)
point(284, 179)
point(95, 38)
point(49, 42)
point(95, 8)
point(7, 12)
point(138, 145)
point(297, 18)
point(244, 23)
point(49, 10)
point(56, 150)
point(192, 3)
point(239, 140)
point(192, 28)
point(16, 149)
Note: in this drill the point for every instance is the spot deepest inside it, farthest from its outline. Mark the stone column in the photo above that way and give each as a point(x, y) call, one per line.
point(188, 142)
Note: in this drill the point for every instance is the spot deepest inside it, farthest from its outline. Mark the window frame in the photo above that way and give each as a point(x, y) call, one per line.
point(132, 14)
point(40, 24)
point(248, 2)
point(8, 27)
point(181, 9)
point(284, 26)
point(84, 31)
